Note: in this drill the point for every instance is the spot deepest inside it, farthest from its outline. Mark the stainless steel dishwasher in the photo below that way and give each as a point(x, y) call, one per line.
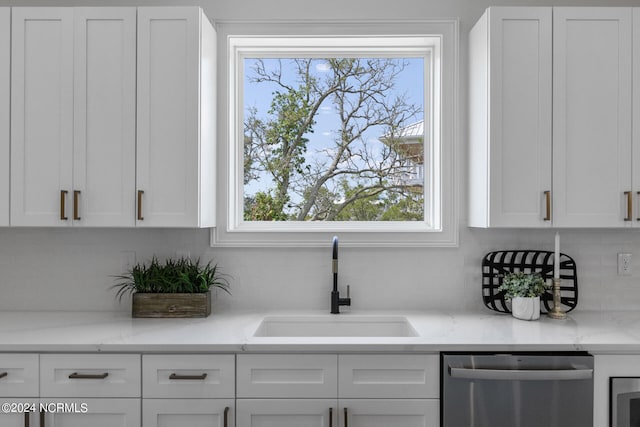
point(517, 390)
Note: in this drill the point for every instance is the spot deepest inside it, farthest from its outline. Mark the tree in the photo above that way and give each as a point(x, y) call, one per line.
point(354, 173)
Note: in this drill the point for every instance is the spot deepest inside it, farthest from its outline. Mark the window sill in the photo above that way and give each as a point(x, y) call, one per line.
point(416, 236)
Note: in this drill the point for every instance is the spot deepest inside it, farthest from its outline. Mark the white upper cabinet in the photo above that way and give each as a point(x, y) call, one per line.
point(550, 118)
point(592, 117)
point(105, 116)
point(176, 118)
point(73, 117)
point(41, 115)
point(5, 107)
point(510, 118)
point(636, 116)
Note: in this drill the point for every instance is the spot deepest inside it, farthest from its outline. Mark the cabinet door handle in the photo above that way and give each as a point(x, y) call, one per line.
point(140, 193)
point(76, 205)
point(42, 419)
point(346, 417)
point(187, 377)
point(330, 417)
point(26, 419)
point(629, 206)
point(3, 374)
point(547, 198)
point(226, 417)
point(63, 199)
point(77, 376)
point(638, 193)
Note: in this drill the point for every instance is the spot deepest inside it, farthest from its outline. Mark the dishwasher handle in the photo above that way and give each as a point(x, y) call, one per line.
point(521, 374)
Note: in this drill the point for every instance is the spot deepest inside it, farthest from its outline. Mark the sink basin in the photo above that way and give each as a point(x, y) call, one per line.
point(335, 326)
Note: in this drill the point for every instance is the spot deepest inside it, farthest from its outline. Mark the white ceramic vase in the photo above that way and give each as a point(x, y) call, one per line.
point(525, 308)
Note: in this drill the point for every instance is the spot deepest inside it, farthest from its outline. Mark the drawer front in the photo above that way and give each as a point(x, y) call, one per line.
point(19, 375)
point(389, 376)
point(90, 375)
point(188, 376)
point(287, 375)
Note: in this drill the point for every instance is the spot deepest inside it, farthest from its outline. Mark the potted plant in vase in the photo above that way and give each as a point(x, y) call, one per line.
point(524, 291)
point(175, 288)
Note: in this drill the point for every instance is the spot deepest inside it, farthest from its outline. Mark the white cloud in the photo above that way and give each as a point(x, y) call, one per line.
point(323, 67)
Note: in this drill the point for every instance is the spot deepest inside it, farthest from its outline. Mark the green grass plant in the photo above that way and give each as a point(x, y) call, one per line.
point(171, 276)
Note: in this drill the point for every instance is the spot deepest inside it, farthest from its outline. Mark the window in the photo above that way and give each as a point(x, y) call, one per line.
point(335, 138)
point(347, 133)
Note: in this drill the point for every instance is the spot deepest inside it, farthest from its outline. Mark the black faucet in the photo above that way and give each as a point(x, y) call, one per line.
point(336, 301)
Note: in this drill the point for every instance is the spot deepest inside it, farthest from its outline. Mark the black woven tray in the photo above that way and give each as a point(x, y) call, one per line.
point(495, 265)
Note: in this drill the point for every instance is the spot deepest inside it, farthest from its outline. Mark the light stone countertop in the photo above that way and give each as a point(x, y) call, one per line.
point(231, 331)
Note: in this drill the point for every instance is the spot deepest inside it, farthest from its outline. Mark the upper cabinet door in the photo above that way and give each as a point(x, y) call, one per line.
point(510, 118)
point(42, 116)
point(636, 115)
point(104, 112)
point(5, 107)
point(172, 142)
point(592, 116)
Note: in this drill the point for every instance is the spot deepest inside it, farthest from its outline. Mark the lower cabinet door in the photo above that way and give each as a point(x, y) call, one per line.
point(91, 412)
point(188, 413)
point(10, 417)
point(389, 412)
point(287, 413)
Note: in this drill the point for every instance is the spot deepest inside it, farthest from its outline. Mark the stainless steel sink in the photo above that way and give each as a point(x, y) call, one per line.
point(335, 326)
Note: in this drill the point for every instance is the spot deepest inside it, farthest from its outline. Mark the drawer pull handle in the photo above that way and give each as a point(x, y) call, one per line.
point(547, 197)
point(140, 217)
point(63, 199)
point(187, 377)
point(330, 417)
point(226, 416)
point(3, 374)
point(346, 417)
point(77, 376)
point(76, 208)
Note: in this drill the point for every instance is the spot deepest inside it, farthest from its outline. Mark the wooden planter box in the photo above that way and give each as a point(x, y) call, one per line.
point(171, 305)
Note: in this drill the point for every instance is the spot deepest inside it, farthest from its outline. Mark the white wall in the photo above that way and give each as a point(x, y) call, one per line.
point(71, 269)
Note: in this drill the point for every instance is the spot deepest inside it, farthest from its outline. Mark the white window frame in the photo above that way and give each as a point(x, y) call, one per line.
point(435, 39)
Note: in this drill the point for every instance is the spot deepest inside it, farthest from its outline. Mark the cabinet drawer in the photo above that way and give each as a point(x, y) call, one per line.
point(18, 375)
point(90, 375)
point(287, 375)
point(389, 376)
point(188, 376)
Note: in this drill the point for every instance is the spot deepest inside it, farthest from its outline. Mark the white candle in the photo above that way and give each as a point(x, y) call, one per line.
point(556, 258)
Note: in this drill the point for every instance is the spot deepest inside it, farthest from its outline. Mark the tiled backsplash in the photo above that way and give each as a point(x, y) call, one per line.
point(53, 269)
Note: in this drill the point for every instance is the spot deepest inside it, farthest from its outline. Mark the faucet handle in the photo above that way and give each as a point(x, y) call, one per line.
point(348, 291)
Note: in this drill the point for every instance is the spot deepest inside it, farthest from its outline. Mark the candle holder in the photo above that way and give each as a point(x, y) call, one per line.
point(556, 312)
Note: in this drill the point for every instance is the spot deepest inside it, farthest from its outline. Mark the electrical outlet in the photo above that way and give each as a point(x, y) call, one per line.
point(624, 264)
